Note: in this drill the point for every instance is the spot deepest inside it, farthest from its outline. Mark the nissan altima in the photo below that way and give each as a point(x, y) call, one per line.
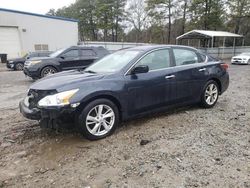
point(123, 85)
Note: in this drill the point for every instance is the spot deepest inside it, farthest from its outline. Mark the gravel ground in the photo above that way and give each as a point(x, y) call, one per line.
point(187, 147)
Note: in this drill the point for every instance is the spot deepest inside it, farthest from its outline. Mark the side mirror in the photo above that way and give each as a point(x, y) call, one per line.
point(140, 69)
point(62, 57)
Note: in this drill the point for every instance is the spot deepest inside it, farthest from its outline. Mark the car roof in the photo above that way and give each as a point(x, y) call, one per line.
point(152, 47)
point(39, 52)
point(87, 47)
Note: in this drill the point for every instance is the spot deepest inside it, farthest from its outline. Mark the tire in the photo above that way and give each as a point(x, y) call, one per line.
point(48, 71)
point(19, 66)
point(210, 94)
point(99, 127)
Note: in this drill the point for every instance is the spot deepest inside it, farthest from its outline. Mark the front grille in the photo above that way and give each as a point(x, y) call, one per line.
point(8, 64)
point(36, 95)
point(237, 59)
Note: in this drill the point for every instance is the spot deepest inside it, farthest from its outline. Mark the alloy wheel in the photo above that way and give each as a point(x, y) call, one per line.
point(211, 94)
point(100, 120)
point(48, 71)
point(19, 67)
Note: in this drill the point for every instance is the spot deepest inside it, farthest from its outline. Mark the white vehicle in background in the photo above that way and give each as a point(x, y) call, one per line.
point(243, 58)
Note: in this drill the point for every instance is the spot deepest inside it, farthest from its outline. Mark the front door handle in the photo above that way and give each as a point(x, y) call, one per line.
point(201, 70)
point(170, 77)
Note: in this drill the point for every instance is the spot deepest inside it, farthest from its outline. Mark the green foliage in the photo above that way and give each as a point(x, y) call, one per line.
point(97, 18)
point(207, 14)
point(109, 13)
point(155, 21)
point(239, 15)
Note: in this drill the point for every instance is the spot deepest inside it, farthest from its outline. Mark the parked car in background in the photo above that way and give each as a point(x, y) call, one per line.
point(123, 85)
point(243, 58)
point(18, 63)
point(74, 57)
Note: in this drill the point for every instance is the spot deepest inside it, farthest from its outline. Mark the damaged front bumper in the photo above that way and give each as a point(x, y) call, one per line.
point(50, 115)
point(34, 114)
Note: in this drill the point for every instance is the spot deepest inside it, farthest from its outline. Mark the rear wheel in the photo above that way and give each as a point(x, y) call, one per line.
point(19, 66)
point(210, 94)
point(48, 71)
point(98, 119)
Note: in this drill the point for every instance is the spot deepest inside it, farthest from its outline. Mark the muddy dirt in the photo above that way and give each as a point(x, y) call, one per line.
point(187, 147)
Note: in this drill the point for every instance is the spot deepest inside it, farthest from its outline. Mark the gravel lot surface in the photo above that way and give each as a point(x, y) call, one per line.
point(187, 147)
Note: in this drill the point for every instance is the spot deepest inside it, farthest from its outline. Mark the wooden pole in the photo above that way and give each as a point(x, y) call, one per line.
point(224, 40)
point(234, 47)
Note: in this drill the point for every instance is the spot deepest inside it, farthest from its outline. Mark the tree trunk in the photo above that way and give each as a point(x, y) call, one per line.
point(206, 15)
point(169, 21)
point(184, 17)
point(116, 21)
point(116, 29)
point(93, 37)
point(105, 27)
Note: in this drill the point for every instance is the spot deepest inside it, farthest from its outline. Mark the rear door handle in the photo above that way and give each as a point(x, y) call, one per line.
point(201, 70)
point(170, 77)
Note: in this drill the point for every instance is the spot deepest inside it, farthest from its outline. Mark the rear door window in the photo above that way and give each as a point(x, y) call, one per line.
point(185, 57)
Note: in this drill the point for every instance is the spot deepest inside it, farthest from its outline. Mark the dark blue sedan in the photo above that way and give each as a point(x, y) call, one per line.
point(126, 84)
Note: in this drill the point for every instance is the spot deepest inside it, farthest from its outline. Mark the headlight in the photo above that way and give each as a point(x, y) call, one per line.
point(59, 99)
point(28, 63)
point(10, 61)
point(35, 62)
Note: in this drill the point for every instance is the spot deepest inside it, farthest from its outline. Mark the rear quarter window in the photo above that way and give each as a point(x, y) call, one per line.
point(209, 57)
point(185, 56)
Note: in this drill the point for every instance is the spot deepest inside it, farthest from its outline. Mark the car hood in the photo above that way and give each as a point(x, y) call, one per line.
point(242, 56)
point(17, 59)
point(64, 79)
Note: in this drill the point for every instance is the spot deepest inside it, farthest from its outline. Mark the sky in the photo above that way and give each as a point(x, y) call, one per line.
point(34, 6)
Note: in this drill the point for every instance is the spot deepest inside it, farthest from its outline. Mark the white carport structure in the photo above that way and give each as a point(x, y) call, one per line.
point(209, 35)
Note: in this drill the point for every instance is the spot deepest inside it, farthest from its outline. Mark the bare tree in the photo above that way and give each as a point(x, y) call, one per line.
point(137, 15)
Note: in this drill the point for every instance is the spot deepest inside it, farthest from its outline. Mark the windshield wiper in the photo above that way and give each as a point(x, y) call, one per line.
point(90, 71)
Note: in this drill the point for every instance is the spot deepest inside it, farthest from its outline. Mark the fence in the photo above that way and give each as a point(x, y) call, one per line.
point(219, 52)
point(226, 52)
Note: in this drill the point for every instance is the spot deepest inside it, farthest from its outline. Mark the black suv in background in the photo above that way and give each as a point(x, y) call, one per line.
point(18, 63)
point(74, 57)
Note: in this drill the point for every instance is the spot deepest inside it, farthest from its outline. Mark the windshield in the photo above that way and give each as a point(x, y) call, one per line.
point(56, 53)
point(113, 62)
point(26, 55)
point(247, 54)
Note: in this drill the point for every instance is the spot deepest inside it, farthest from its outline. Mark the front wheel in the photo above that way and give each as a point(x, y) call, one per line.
point(46, 71)
point(210, 94)
point(19, 66)
point(98, 119)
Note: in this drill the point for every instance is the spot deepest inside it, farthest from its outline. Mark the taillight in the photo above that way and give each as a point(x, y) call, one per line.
point(224, 66)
